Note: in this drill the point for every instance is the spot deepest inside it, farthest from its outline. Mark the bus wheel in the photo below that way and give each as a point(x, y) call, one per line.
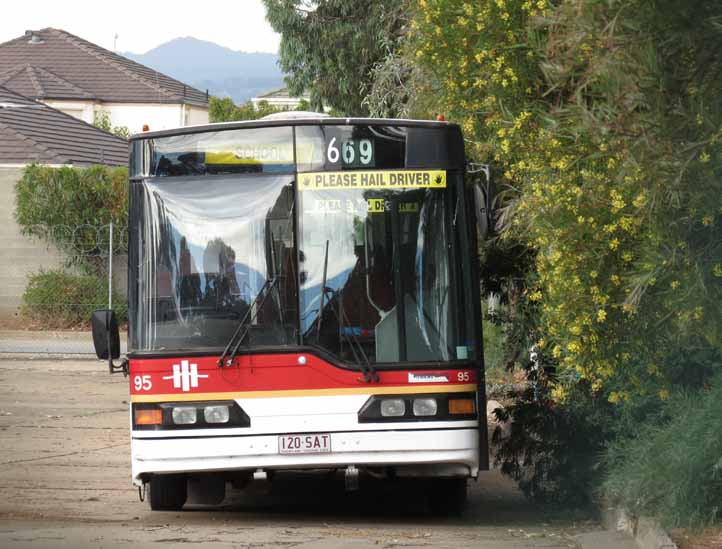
point(447, 496)
point(168, 492)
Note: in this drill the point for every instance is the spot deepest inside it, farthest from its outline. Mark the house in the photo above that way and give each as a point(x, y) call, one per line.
point(280, 99)
point(31, 132)
point(86, 81)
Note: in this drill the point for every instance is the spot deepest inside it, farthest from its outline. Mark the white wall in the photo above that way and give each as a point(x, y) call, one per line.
point(135, 115)
point(158, 116)
point(280, 102)
point(196, 116)
point(84, 110)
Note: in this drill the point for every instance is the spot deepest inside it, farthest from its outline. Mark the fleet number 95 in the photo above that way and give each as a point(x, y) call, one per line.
point(142, 383)
point(462, 376)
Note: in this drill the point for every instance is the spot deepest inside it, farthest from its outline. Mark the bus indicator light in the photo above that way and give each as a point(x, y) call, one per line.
point(148, 417)
point(461, 406)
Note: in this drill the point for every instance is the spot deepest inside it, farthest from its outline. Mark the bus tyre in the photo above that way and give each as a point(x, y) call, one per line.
point(168, 492)
point(447, 496)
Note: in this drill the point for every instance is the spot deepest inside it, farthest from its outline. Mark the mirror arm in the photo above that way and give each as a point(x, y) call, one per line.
point(118, 368)
point(476, 167)
point(487, 192)
point(114, 368)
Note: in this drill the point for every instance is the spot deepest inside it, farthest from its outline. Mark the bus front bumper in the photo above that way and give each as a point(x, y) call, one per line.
point(427, 452)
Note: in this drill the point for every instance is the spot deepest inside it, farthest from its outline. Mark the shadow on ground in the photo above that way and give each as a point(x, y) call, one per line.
point(307, 498)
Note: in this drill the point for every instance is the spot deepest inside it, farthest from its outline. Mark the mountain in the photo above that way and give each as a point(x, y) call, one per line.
point(208, 66)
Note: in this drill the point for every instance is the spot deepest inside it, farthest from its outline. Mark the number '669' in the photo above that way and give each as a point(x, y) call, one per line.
point(353, 152)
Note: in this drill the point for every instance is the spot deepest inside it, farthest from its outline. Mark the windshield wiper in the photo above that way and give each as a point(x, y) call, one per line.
point(357, 350)
point(245, 324)
point(323, 294)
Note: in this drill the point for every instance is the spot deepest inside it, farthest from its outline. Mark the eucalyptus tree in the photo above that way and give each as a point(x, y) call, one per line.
point(329, 47)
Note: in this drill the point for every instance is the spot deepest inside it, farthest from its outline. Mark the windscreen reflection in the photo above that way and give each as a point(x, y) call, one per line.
point(378, 271)
point(210, 244)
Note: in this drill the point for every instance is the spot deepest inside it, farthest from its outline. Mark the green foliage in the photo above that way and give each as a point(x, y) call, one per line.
point(552, 451)
point(493, 351)
point(66, 206)
point(608, 139)
point(101, 119)
point(57, 299)
point(225, 110)
point(603, 121)
point(330, 47)
point(672, 468)
point(71, 208)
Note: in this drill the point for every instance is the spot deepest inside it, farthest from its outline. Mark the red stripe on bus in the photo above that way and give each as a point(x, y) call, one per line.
point(270, 372)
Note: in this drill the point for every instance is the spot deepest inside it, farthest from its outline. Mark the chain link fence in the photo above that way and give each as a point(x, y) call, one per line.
point(69, 271)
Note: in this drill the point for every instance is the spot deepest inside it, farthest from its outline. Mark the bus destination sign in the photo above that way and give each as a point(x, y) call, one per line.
point(388, 179)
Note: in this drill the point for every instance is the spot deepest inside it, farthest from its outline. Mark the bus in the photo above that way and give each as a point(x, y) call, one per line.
point(302, 295)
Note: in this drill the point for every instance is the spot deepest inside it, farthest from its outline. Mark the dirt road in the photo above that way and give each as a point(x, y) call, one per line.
point(65, 482)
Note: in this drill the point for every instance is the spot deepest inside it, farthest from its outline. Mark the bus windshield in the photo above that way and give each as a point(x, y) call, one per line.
point(378, 271)
point(361, 228)
point(208, 246)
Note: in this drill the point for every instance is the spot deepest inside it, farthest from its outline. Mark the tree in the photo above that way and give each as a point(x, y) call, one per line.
point(329, 47)
point(101, 120)
point(604, 123)
point(225, 110)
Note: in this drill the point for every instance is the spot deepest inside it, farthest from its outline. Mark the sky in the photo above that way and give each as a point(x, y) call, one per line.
point(143, 24)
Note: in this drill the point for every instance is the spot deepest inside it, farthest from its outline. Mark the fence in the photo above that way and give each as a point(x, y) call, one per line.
point(63, 274)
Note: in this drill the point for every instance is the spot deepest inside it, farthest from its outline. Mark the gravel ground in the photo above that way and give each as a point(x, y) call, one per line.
point(65, 482)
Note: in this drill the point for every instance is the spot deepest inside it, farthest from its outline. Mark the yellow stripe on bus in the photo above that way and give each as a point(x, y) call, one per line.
point(367, 390)
point(387, 179)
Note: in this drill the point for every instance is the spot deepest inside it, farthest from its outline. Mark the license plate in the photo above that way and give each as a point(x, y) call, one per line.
point(304, 444)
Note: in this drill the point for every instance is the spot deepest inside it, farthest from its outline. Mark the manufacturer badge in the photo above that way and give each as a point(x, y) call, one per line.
point(427, 378)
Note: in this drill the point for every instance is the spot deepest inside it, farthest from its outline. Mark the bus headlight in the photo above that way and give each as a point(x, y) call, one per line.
point(184, 415)
point(216, 414)
point(393, 407)
point(425, 407)
point(419, 407)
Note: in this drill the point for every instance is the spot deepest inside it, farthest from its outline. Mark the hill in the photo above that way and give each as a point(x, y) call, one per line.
point(208, 66)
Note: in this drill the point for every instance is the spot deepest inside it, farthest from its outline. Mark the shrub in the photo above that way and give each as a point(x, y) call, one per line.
point(673, 469)
point(71, 209)
point(57, 299)
point(553, 450)
point(101, 119)
point(69, 206)
point(603, 121)
point(609, 141)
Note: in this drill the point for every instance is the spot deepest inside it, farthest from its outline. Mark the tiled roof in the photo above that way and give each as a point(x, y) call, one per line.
point(62, 62)
point(32, 81)
point(282, 93)
point(33, 132)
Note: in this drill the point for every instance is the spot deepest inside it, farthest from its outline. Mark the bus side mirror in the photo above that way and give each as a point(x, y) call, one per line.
point(484, 199)
point(106, 337)
point(481, 210)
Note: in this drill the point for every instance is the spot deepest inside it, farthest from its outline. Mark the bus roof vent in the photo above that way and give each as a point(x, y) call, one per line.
point(294, 115)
